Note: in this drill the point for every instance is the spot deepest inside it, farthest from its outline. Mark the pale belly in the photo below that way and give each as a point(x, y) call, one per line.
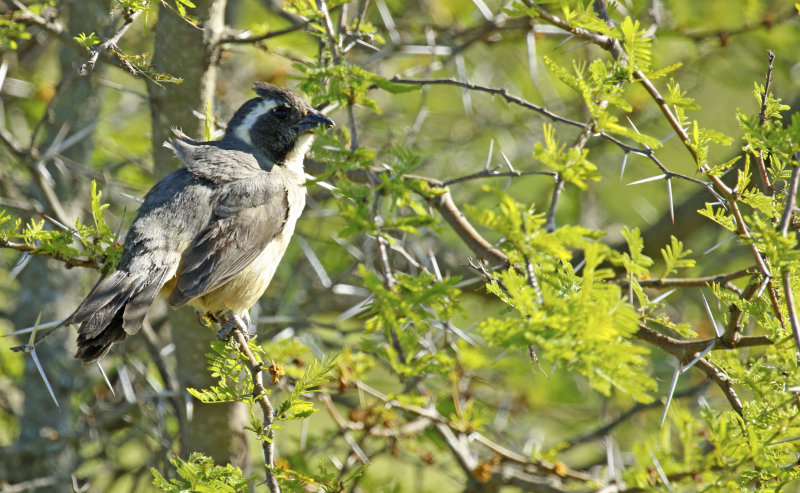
point(243, 291)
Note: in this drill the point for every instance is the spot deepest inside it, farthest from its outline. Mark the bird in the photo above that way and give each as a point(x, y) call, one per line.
point(212, 233)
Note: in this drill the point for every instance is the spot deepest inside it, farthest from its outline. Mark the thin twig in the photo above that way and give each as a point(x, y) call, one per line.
point(502, 92)
point(265, 36)
point(790, 201)
point(30, 157)
point(390, 282)
point(790, 307)
point(446, 428)
point(724, 35)
point(627, 415)
point(550, 222)
point(762, 115)
point(92, 263)
point(669, 282)
point(723, 382)
point(786, 274)
point(497, 174)
point(762, 118)
point(110, 44)
point(260, 396)
point(328, 24)
point(684, 350)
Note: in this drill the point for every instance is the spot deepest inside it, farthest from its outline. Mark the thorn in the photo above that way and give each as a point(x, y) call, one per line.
point(35, 328)
point(699, 356)
point(530, 44)
point(660, 471)
point(484, 9)
point(576, 47)
point(489, 156)
point(622, 168)
point(670, 393)
point(632, 125)
point(44, 377)
point(661, 297)
point(762, 286)
point(105, 377)
point(316, 265)
point(127, 387)
point(508, 162)
point(566, 40)
point(645, 180)
point(466, 96)
point(671, 202)
point(719, 245)
point(129, 196)
point(59, 224)
point(669, 136)
point(710, 315)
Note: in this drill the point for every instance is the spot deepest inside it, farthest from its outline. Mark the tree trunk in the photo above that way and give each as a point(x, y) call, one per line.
point(41, 452)
point(191, 54)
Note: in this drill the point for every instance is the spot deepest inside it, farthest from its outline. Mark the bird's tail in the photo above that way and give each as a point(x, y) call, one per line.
point(114, 309)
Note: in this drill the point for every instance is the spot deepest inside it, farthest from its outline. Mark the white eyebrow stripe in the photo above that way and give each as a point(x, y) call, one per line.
point(243, 130)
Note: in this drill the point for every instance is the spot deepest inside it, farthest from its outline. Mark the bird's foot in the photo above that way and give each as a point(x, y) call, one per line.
point(206, 319)
point(231, 322)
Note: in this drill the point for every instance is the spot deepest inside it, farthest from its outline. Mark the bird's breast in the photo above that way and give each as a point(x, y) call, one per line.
point(243, 291)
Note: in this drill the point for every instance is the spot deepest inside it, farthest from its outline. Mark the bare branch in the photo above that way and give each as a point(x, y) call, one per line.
point(723, 382)
point(627, 415)
point(793, 320)
point(783, 227)
point(486, 173)
point(260, 396)
point(110, 44)
point(762, 115)
point(667, 282)
point(262, 37)
point(684, 350)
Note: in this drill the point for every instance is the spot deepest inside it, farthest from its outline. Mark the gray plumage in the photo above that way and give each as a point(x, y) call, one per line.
point(210, 234)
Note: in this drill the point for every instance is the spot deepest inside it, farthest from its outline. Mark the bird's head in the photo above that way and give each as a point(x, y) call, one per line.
point(278, 122)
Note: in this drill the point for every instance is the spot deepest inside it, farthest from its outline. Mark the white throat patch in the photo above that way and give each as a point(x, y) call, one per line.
point(262, 108)
point(294, 160)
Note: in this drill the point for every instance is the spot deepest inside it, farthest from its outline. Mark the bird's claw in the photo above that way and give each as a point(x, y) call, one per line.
point(231, 322)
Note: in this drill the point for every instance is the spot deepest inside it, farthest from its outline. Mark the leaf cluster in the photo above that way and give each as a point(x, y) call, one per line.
point(94, 244)
point(200, 474)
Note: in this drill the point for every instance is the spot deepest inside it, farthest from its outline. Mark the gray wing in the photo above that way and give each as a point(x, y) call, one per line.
point(252, 214)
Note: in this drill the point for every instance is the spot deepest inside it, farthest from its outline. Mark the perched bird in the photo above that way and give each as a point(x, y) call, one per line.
point(210, 234)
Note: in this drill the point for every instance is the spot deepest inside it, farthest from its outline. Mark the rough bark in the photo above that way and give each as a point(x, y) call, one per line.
point(185, 52)
point(41, 452)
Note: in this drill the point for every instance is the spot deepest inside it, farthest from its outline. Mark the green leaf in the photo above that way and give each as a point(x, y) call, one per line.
point(637, 46)
point(87, 40)
point(675, 257)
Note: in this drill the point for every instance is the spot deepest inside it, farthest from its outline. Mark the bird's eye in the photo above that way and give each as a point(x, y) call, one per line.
point(281, 112)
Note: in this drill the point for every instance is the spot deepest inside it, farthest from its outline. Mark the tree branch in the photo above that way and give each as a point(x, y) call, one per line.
point(92, 263)
point(110, 44)
point(260, 396)
point(685, 350)
point(682, 282)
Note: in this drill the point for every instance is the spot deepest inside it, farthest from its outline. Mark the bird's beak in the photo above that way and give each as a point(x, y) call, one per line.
point(313, 120)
